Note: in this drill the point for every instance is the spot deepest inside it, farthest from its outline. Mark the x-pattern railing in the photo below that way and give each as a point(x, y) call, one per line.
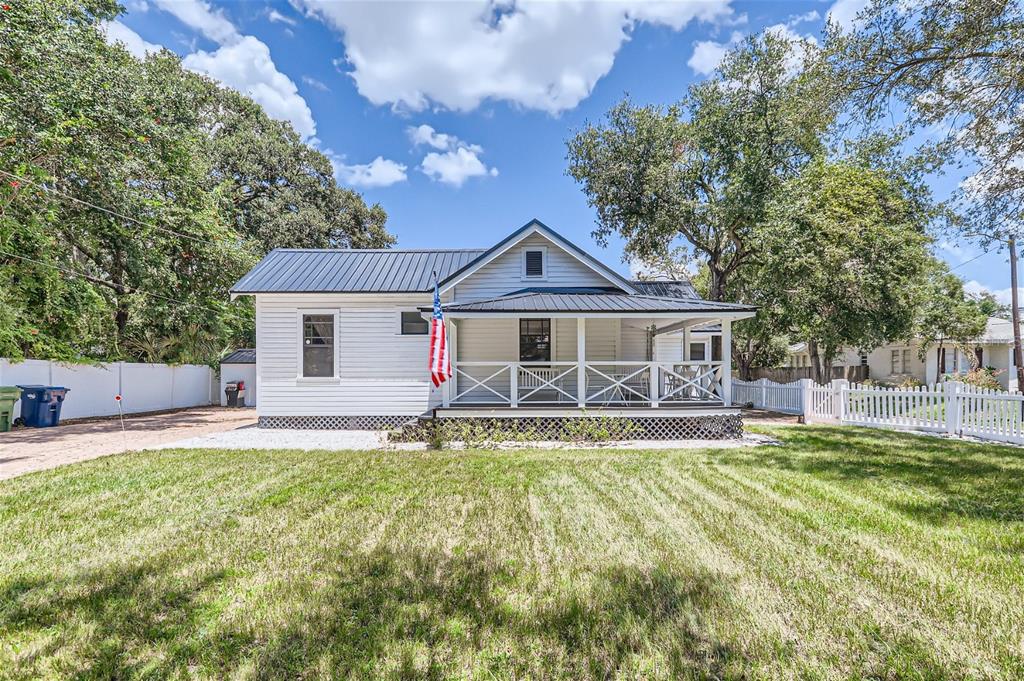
point(618, 384)
point(545, 382)
point(704, 382)
point(482, 383)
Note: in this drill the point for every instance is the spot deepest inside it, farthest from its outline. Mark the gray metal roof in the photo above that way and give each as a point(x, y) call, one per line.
point(241, 356)
point(666, 289)
point(592, 302)
point(287, 270)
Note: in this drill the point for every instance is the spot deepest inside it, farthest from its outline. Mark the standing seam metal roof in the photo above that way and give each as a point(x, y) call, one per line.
point(592, 302)
point(352, 271)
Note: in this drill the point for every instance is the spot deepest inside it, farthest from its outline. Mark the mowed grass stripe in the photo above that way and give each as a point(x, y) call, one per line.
point(809, 560)
point(902, 598)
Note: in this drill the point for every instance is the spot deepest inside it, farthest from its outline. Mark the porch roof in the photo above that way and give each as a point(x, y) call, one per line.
point(537, 301)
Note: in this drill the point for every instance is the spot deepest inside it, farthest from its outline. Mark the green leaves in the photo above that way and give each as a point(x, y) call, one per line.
point(135, 214)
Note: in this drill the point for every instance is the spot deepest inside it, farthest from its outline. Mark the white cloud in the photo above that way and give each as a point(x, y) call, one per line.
point(456, 166)
point(116, 32)
point(246, 66)
point(380, 172)
point(424, 134)
point(314, 83)
point(277, 17)
point(804, 18)
point(454, 162)
point(539, 55)
point(202, 17)
point(1003, 295)
point(843, 12)
point(707, 54)
point(242, 62)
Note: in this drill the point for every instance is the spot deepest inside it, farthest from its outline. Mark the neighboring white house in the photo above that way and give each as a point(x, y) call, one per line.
point(537, 327)
point(895, 362)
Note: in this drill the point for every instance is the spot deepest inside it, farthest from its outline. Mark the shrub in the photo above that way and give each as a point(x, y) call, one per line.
point(982, 378)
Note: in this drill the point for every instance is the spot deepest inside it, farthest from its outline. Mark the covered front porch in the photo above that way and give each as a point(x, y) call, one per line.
point(566, 363)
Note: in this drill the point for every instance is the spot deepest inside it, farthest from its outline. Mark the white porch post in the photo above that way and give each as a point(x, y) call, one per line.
point(581, 362)
point(449, 388)
point(727, 362)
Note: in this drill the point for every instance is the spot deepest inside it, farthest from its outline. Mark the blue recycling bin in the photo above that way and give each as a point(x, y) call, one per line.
point(40, 404)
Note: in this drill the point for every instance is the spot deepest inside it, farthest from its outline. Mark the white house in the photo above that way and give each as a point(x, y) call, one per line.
point(537, 328)
point(896, 362)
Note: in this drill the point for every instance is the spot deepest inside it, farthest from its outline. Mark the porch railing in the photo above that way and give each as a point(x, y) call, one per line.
point(611, 383)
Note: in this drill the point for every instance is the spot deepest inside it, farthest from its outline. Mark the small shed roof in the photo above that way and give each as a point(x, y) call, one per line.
point(241, 356)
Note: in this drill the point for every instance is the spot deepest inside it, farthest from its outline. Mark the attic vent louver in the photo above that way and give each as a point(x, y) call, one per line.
point(535, 263)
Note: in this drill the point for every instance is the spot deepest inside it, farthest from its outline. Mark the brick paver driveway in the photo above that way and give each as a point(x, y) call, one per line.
point(31, 449)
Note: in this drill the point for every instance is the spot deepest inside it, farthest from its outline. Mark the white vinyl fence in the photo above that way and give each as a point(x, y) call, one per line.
point(764, 394)
point(142, 387)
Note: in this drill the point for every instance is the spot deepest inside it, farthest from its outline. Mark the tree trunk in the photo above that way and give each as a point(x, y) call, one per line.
point(1015, 315)
point(816, 370)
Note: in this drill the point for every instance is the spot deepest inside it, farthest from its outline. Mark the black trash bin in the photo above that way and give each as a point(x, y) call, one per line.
point(235, 392)
point(40, 404)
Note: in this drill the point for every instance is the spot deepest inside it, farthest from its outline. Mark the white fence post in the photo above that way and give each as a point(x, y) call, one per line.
point(839, 395)
point(764, 393)
point(805, 397)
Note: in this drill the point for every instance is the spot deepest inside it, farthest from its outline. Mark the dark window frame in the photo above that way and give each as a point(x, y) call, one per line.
point(309, 337)
point(419, 320)
point(531, 331)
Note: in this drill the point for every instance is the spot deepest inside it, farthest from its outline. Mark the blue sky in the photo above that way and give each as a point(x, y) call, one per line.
point(454, 115)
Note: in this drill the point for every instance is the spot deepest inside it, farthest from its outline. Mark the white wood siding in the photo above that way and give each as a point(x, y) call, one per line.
point(380, 371)
point(504, 274)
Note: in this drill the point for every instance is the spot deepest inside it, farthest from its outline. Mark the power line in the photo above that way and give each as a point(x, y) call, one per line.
point(108, 211)
point(87, 277)
point(968, 262)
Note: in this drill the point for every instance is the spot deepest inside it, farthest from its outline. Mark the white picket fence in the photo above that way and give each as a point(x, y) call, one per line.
point(764, 394)
point(143, 387)
point(950, 407)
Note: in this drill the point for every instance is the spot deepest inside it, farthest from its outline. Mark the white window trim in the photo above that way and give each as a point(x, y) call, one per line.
point(544, 261)
point(398, 324)
point(299, 378)
point(707, 350)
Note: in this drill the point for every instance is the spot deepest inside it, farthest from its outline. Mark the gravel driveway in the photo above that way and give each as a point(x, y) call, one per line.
point(31, 449)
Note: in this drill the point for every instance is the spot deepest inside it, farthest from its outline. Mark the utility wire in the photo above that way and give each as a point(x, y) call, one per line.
point(87, 277)
point(108, 211)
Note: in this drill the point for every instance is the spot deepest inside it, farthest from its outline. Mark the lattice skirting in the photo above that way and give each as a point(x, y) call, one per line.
point(335, 422)
point(716, 427)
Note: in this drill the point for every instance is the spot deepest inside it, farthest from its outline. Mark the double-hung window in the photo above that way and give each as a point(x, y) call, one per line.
point(534, 340)
point(900, 361)
point(318, 338)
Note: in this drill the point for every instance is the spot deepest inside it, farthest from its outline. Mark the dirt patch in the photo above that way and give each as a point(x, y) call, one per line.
point(24, 450)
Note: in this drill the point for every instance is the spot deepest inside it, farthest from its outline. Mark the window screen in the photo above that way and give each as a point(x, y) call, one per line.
point(535, 263)
point(413, 324)
point(318, 345)
point(697, 352)
point(534, 340)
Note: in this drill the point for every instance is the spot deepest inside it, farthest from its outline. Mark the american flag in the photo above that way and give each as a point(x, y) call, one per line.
point(440, 362)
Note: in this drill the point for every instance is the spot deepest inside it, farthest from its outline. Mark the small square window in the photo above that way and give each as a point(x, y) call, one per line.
point(413, 324)
point(697, 352)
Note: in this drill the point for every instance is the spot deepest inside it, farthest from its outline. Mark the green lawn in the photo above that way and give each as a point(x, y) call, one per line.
point(844, 553)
